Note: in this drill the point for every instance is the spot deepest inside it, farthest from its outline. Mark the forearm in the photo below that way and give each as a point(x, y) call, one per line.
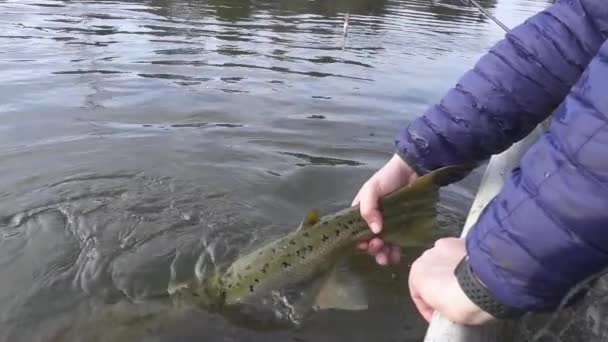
point(546, 229)
point(509, 91)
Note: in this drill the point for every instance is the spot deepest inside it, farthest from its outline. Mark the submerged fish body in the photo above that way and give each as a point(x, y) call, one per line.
point(310, 256)
point(319, 243)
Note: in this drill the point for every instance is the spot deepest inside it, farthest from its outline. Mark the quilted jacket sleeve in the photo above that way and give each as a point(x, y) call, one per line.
point(516, 85)
point(547, 228)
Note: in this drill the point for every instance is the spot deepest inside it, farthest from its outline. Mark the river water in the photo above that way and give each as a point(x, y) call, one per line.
point(134, 133)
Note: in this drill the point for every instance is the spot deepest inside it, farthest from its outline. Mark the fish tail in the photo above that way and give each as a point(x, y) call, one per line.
point(410, 214)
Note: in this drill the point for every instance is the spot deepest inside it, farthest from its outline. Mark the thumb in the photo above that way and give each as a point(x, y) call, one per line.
point(369, 207)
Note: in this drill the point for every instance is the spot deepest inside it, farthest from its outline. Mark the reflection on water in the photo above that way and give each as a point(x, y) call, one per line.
point(135, 133)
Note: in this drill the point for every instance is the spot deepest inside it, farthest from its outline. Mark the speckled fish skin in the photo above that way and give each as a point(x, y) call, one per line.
point(315, 247)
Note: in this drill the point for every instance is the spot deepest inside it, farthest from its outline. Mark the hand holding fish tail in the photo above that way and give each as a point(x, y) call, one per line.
point(395, 174)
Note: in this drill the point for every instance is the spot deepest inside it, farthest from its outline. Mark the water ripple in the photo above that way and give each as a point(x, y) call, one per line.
point(137, 136)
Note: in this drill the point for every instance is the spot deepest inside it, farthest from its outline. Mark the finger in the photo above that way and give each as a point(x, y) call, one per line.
point(369, 208)
point(356, 199)
point(382, 258)
point(395, 255)
point(425, 310)
point(363, 245)
point(375, 246)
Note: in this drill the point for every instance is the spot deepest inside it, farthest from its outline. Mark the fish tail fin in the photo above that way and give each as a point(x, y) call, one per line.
point(410, 214)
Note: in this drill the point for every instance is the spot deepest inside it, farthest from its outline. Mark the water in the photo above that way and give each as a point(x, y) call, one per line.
point(133, 133)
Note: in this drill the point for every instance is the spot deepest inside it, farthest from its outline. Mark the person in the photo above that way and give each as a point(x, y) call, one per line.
point(544, 232)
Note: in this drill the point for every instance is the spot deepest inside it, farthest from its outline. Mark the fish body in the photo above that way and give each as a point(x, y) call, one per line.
point(310, 255)
point(313, 250)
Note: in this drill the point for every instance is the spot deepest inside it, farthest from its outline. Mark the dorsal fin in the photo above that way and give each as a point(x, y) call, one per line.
point(311, 218)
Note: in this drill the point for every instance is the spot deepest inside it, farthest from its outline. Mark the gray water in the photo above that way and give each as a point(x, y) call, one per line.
point(134, 133)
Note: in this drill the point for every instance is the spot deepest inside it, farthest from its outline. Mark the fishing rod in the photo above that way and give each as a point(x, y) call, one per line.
point(466, 2)
point(486, 13)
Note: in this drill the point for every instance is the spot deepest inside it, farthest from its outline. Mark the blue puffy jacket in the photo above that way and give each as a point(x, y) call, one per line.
point(548, 227)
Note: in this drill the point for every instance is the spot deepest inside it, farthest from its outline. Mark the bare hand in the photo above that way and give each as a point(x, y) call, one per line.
point(395, 174)
point(434, 287)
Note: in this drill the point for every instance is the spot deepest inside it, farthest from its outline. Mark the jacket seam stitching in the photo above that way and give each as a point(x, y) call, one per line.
point(590, 18)
point(533, 197)
point(442, 139)
point(520, 107)
point(570, 160)
point(481, 110)
point(559, 49)
point(529, 79)
point(580, 44)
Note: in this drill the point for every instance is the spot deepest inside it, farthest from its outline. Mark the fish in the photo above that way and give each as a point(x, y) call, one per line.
point(313, 252)
point(310, 261)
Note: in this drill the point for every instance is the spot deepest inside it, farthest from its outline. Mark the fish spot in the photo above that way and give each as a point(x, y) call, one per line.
point(256, 280)
point(310, 248)
point(292, 242)
point(274, 251)
point(325, 223)
point(306, 234)
point(195, 294)
point(248, 267)
point(325, 238)
point(250, 288)
point(286, 264)
point(223, 294)
point(350, 221)
point(337, 232)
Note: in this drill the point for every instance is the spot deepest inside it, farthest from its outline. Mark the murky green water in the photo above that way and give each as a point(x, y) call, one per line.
point(134, 132)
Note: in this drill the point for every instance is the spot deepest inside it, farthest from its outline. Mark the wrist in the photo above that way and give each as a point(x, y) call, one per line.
point(401, 167)
point(410, 163)
point(462, 310)
point(480, 296)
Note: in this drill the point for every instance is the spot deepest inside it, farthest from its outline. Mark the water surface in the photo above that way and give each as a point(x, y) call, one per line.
point(134, 133)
